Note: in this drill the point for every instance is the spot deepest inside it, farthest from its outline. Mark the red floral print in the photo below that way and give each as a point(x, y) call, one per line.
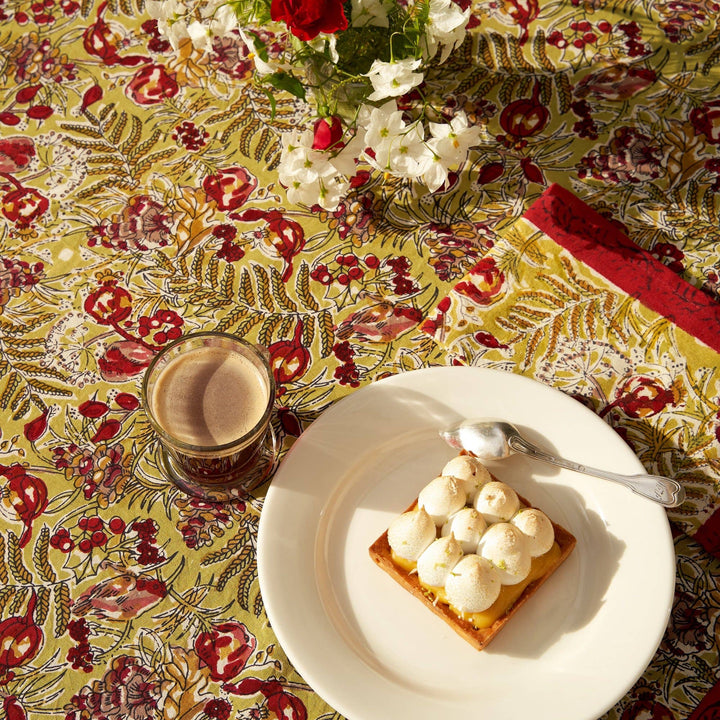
point(152, 85)
point(230, 187)
point(128, 691)
point(23, 206)
point(20, 638)
point(618, 82)
point(124, 360)
point(27, 495)
point(287, 237)
point(101, 42)
point(525, 117)
point(16, 152)
point(278, 701)
point(641, 396)
point(706, 121)
point(144, 224)
point(110, 304)
point(225, 649)
point(289, 359)
point(485, 283)
point(122, 597)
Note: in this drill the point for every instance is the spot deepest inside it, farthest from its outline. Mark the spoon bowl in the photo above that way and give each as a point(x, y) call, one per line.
point(490, 439)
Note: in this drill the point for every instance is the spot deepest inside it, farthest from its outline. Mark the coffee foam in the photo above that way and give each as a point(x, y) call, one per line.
point(209, 396)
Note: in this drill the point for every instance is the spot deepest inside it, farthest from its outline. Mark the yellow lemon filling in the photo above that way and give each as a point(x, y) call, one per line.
point(509, 594)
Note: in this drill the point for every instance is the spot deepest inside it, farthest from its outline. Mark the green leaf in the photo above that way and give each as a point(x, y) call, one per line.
point(282, 81)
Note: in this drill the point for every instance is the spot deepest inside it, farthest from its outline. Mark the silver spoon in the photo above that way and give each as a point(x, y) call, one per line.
point(496, 439)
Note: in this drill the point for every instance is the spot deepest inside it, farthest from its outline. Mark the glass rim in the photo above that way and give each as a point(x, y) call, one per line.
point(208, 450)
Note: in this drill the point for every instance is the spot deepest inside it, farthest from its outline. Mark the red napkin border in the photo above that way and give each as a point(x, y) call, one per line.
point(597, 242)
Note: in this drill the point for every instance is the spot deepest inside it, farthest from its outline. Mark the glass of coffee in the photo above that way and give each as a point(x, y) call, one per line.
point(209, 397)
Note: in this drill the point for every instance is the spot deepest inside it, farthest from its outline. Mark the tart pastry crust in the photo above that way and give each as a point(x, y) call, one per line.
point(479, 638)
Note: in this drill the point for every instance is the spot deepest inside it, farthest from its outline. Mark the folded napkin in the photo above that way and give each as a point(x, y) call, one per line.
point(565, 297)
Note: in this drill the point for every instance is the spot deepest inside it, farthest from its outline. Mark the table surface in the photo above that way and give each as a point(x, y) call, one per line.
point(139, 201)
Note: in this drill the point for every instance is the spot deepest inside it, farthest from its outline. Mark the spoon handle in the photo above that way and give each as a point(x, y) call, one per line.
point(666, 491)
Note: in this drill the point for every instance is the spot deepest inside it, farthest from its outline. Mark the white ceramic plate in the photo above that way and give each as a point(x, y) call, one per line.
point(370, 649)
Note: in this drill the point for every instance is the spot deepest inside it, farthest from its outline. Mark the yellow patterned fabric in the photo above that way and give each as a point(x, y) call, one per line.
point(139, 202)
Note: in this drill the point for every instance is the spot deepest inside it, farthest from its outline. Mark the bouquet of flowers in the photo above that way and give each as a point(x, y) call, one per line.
point(361, 67)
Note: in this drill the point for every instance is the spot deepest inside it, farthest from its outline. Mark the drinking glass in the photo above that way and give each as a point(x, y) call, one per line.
point(209, 398)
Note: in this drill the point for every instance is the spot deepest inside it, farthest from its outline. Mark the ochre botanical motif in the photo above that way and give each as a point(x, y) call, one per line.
point(139, 202)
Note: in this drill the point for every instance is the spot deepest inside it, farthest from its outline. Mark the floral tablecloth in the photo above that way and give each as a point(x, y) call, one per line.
point(138, 202)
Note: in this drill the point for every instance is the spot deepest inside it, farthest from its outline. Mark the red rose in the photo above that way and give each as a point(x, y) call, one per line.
point(230, 187)
point(152, 85)
point(308, 18)
point(327, 133)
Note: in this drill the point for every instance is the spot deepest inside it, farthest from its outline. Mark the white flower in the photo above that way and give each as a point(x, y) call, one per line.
point(380, 123)
point(397, 148)
point(200, 36)
point(223, 21)
point(263, 68)
point(392, 79)
point(369, 12)
point(449, 144)
point(310, 176)
point(451, 141)
point(445, 26)
point(322, 42)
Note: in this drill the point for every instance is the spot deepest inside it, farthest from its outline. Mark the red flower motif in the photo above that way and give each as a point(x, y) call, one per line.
point(280, 702)
point(286, 236)
point(225, 649)
point(152, 85)
point(127, 401)
point(36, 428)
point(27, 495)
point(124, 360)
point(308, 18)
point(93, 409)
point(640, 396)
point(619, 82)
point(101, 42)
point(109, 304)
point(20, 638)
point(23, 206)
point(13, 709)
point(16, 152)
point(230, 187)
point(485, 284)
point(121, 597)
point(706, 121)
point(525, 117)
point(288, 358)
point(107, 430)
point(489, 340)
